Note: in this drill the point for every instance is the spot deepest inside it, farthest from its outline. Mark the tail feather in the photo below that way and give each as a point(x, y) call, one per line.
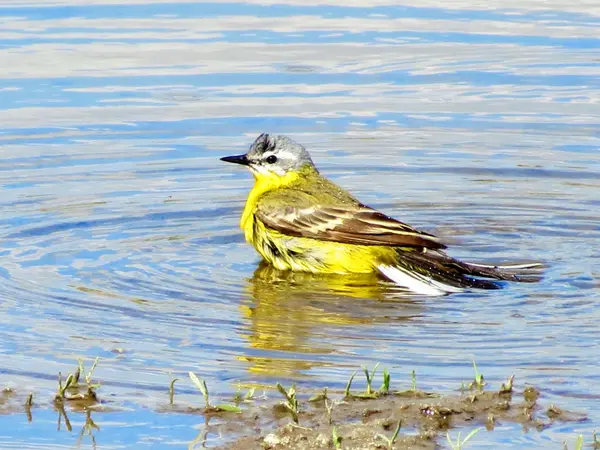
point(522, 273)
point(524, 266)
point(435, 273)
point(415, 282)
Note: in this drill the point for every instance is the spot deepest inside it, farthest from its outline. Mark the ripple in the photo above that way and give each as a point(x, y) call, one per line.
point(119, 229)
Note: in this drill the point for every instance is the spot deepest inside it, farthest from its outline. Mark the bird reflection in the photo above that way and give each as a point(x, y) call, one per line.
point(296, 318)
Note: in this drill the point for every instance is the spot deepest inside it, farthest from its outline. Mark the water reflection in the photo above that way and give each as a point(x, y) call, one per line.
point(89, 428)
point(290, 313)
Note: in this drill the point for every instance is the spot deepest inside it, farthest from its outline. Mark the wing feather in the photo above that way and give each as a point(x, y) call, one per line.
point(349, 224)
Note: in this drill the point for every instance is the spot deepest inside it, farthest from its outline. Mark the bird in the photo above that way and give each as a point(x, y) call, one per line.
point(300, 221)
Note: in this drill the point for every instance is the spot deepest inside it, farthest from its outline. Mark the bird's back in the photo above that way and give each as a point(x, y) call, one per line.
point(317, 188)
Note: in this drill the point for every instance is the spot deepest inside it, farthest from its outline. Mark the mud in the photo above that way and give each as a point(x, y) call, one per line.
point(424, 417)
point(286, 419)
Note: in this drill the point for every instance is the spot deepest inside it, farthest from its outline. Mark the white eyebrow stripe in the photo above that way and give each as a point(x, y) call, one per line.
point(283, 154)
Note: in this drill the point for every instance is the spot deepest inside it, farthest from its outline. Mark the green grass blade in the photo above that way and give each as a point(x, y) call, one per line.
point(452, 445)
point(470, 435)
point(283, 391)
point(396, 431)
point(200, 384)
point(228, 408)
point(336, 438)
point(68, 383)
point(385, 386)
point(250, 394)
point(172, 390)
point(349, 385)
point(367, 374)
point(374, 371)
point(88, 378)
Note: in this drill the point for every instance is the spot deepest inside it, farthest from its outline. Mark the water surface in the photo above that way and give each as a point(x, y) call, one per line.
point(119, 239)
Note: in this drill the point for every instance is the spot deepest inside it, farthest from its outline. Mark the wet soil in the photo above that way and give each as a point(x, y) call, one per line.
point(344, 420)
point(369, 423)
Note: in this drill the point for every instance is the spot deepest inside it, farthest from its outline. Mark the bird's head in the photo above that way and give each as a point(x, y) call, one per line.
point(273, 156)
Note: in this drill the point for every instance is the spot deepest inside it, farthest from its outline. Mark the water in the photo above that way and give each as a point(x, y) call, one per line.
point(119, 237)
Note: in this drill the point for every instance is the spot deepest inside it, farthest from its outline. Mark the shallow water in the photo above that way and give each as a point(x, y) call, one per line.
point(119, 230)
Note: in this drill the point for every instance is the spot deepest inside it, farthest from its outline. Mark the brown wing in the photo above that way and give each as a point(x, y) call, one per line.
point(351, 224)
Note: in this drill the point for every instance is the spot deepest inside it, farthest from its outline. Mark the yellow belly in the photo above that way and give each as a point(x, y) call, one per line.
point(310, 255)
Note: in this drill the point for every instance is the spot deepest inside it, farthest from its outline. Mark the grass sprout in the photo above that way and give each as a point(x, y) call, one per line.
point(329, 405)
point(385, 386)
point(390, 441)
point(507, 387)
point(291, 401)
point(208, 407)
point(172, 390)
point(336, 438)
point(370, 376)
point(247, 397)
point(478, 382)
point(369, 391)
point(73, 385)
point(578, 443)
point(459, 444)
point(87, 376)
point(319, 397)
point(349, 385)
point(62, 388)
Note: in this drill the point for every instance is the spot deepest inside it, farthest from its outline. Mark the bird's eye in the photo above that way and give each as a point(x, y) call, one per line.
point(271, 159)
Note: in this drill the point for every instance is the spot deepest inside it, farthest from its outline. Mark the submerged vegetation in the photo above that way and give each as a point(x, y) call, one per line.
point(373, 418)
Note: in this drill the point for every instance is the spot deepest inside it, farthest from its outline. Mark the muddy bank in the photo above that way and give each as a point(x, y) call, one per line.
point(370, 423)
point(283, 418)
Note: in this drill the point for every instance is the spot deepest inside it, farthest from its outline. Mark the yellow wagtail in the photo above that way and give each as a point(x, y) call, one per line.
point(298, 220)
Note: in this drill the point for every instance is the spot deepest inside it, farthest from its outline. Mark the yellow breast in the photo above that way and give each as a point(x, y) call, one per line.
point(263, 184)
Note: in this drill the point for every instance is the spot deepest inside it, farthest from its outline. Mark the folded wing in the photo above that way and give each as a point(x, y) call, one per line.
point(351, 224)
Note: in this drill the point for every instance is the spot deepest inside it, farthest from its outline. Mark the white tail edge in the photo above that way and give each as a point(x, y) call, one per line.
point(508, 266)
point(417, 283)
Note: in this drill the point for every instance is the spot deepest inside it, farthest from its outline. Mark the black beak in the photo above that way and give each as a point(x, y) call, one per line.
point(237, 159)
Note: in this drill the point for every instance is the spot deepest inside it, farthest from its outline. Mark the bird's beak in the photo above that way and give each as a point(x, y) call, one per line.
point(237, 159)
